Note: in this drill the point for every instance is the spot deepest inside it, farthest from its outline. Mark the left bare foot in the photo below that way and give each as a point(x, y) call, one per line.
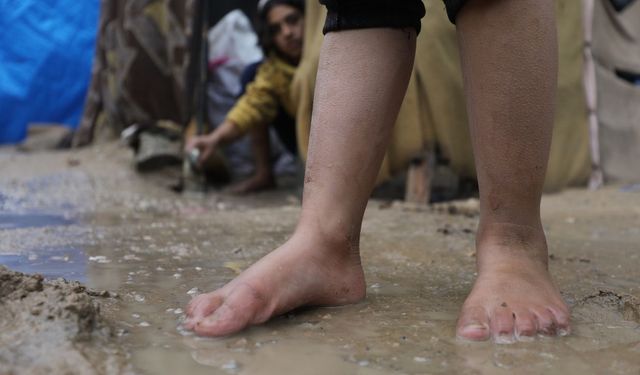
point(308, 270)
point(513, 297)
point(255, 183)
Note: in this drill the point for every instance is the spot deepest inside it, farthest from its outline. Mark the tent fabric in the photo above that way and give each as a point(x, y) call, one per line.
point(591, 95)
point(140, 67)
point(45, 62)
point(433, 111)
point(616, 48)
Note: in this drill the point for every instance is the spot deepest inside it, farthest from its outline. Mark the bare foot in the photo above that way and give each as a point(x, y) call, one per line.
point(255, 183)
point(513, 297)
point(304, 271)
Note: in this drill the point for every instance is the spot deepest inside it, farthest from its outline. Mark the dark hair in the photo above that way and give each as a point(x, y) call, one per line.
point(265, 39)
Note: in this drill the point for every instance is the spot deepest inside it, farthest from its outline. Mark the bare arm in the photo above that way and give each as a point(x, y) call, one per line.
point(227, 132)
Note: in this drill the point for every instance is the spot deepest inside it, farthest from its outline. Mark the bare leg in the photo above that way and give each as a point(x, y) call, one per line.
point(362, 79)
point(509, 61)
point(262, 178)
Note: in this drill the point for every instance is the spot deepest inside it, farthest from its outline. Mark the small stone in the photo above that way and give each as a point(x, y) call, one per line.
point(144, 324)
point(421, 359)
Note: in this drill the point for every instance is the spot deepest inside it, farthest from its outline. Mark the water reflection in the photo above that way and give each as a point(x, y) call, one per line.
point(52, 263)
point(32, 220)
point(68, 262)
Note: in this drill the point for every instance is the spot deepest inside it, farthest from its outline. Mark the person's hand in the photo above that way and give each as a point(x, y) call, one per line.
point(206, 144)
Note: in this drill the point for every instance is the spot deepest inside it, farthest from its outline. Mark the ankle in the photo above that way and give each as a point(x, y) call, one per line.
point(335, 240)
point(510, 244)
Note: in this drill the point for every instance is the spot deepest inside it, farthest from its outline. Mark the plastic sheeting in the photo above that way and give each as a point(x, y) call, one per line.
point(46, 48)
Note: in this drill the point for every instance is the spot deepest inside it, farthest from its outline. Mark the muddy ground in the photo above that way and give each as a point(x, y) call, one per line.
point(141, 252)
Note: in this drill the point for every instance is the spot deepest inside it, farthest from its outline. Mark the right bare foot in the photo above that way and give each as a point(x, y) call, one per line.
point(255, 183)
point(514, 297)
point(305, 271)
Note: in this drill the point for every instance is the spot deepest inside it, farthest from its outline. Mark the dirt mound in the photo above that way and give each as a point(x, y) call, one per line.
point(54, 327)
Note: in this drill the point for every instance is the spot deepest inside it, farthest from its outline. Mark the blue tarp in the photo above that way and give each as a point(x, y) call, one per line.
point(46, 50)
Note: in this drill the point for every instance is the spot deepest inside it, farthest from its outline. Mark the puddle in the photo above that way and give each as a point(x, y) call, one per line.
point(31, 220)
point(68, 263)
point(49, 260)
point(157, 250)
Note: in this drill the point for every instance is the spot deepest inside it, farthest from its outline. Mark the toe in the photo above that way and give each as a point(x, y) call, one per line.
point(525, 325)
point(473, 324)
point(546, 322)
point(562, 319)
point(191, 306)
point(237, 312)
point(202, 306)
point(502, 325)
point(226, 320)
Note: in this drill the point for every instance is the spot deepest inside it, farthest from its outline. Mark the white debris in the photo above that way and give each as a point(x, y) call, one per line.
point(231, 365)
point(99, 259)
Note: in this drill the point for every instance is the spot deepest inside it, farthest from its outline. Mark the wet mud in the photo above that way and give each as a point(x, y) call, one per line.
point(54, 327)
point(95, 220)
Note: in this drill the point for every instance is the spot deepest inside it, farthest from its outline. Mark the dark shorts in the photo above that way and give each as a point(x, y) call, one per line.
point(364, 14)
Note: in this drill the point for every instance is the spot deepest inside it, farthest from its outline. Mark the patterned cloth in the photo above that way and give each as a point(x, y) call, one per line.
point(143, 49)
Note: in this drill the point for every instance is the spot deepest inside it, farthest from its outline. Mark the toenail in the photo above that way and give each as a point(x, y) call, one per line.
point(476, 326)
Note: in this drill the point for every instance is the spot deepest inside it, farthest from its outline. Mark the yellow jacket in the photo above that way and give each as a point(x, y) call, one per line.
point(262, 98)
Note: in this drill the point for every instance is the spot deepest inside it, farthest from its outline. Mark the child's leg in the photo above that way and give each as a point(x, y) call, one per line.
point(362, 79)
point(509, 61)
point(262, 177)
